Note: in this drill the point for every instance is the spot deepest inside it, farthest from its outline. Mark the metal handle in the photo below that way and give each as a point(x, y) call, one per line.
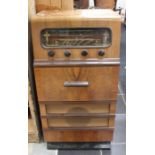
point(76, 84)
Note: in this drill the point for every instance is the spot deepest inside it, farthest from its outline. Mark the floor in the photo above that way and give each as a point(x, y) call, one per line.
point(123, 61)
point(118, 145)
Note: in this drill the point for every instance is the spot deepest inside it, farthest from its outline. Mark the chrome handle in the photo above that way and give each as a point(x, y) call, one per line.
point(76, 84)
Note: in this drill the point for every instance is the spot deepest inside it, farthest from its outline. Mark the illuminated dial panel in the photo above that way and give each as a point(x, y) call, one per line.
point(76, 38)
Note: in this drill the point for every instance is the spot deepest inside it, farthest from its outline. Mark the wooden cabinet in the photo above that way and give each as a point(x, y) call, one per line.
point(76, 86)
point(105, 4)
point(33, 127)
point(81, 4)
point(53, 5)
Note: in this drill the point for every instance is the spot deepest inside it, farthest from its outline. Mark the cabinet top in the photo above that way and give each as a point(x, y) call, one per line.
point(103, 14)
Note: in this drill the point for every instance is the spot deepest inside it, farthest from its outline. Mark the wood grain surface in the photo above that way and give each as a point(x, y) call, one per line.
point(33, 131)
point(103, 83)
point(78, 122)
point(75, 19)
point(78, 135)
point(54, 5)
point(77, 108)
point(59, 103)
point(105, 4)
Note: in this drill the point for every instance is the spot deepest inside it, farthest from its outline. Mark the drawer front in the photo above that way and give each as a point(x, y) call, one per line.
point(76, 83)
point(77, 135)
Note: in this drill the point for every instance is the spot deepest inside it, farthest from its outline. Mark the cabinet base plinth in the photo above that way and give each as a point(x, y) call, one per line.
point(78, 146)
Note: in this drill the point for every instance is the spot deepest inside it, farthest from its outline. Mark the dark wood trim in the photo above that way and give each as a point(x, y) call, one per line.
point(79, 115)
point(79, 128)
point(80, 102)
point(104, 62)
point(115, 5)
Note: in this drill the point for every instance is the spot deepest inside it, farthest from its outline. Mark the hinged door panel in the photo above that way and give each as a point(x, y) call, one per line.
point(77, 83)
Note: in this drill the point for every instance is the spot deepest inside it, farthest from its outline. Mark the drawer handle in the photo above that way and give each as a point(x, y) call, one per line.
point(76, 84)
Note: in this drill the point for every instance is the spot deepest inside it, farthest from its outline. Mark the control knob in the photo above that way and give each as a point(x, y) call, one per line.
point(67, 53)
point(51, 53)
point(84, 53)
point(101, 53)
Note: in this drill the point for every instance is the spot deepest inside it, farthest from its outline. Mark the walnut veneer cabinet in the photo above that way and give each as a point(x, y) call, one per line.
point(76, 67)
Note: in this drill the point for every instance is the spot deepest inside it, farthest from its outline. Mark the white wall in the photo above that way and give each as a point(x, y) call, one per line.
point(121, 3)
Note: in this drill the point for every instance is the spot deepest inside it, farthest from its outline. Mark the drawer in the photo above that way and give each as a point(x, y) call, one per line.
point(84, 83)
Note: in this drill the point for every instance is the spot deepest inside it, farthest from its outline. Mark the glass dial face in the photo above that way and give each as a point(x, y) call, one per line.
point(76, 37)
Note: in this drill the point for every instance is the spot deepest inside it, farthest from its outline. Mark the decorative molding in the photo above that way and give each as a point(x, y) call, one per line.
point(106, 62)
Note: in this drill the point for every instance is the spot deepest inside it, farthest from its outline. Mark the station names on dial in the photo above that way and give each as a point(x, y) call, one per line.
point(76, 37)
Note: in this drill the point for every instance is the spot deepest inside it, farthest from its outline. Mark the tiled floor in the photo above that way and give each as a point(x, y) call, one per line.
point(118, 145)
point(123, 62)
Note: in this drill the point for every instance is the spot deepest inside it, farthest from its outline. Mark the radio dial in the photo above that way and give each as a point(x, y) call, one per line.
point(101, 53)
point(67, 53)
point(84, 53)
point(51, 53)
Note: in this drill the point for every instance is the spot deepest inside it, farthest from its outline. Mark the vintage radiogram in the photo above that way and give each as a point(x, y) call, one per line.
point(76, 67)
